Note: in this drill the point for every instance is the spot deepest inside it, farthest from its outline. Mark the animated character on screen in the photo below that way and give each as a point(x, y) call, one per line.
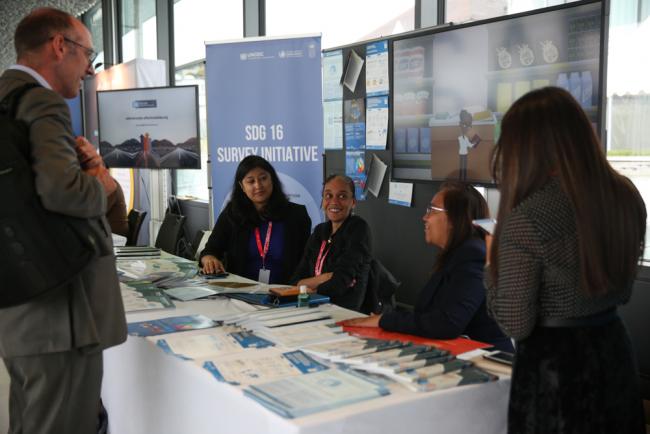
point(465, 143)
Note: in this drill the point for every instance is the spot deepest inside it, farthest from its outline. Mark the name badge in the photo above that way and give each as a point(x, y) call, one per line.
point(264, 276)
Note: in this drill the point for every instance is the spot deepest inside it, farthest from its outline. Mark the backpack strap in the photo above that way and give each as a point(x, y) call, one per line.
point(9, 104)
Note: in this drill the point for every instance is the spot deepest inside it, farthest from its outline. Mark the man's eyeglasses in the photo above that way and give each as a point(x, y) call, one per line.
point(432, 208)
point(90, 53)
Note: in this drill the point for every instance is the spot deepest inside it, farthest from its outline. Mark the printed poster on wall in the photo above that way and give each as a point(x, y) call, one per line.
point(264, 98)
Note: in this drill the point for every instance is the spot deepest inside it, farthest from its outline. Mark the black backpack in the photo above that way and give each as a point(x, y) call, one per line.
point(40, 251)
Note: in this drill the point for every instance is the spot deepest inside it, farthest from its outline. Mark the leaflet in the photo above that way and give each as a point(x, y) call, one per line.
point(306, 394)
point(138, 296)
point(213, 343)
point(332, 72)
point(377, 68)
point(170, 325)
point(260, 366)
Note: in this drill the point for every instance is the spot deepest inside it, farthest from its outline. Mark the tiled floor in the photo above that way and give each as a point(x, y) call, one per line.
point(4, 399)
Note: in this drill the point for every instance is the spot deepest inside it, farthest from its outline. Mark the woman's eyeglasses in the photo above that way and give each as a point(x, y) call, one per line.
point(432, 208)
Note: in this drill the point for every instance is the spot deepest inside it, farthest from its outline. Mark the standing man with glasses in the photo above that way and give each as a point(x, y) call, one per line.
point(52, 346)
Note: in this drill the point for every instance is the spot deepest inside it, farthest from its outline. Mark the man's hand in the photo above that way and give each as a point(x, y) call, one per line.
point(87, 154)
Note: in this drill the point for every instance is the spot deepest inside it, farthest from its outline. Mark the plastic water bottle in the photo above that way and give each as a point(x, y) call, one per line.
point(575, 86)
point(587, 89)
point(562, 81)
point(303, 297)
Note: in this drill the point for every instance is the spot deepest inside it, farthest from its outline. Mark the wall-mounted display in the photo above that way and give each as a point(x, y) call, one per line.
point(452, 85)
point(151, 128)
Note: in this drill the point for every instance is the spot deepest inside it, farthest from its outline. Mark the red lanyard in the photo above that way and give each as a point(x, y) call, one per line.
point(267, 242)
point(318, 268)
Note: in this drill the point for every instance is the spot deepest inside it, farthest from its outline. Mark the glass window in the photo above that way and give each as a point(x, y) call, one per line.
point(195, 22)
point(628, 96)
point(340, 21)
point(198, 21)
point(193, 184)
point(93, 20)
point(461, 11)
point(138, 29)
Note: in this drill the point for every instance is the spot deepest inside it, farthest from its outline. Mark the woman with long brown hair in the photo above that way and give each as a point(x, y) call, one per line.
point(565, 254)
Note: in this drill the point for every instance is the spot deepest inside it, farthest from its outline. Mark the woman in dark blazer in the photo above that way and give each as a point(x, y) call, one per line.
point(337, 258)
point(260, 234)
point(452, 303)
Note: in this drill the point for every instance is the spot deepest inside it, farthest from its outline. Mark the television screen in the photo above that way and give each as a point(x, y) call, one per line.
point(452, 86)
point(155, 128)
point(76, 114)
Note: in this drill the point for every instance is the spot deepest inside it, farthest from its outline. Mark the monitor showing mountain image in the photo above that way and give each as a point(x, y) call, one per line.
point(452, 85)
point(154, 128)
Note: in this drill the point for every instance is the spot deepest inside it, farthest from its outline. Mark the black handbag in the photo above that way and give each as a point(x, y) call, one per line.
point(41, 251)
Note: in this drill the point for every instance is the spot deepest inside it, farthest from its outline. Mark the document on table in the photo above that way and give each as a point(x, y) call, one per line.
point(188, 293)
point(213, 343)
point(306, 394)
point(170, 325)
point(143, 296)
point(260, 366)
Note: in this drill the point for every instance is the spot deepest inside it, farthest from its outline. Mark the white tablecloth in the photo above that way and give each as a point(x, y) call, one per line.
point(147, 391)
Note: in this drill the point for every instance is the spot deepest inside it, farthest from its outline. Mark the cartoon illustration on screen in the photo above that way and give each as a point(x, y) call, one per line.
point(465, 143)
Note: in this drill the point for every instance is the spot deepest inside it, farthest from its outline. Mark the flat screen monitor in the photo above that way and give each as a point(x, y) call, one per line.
point(155, 128)
point(76, 114)
point(452, 86)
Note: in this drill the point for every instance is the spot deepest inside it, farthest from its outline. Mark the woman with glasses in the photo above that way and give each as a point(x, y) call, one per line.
point(337, 257)
point(565, 254)
point(452, 303)
point(259, 234)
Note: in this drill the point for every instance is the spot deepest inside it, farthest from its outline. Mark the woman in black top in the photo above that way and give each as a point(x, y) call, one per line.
point(452, 303)
point(260, 234)
point(336, 260)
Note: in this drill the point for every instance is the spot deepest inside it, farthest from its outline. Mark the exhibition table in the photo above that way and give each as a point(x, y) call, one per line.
point(148, 391)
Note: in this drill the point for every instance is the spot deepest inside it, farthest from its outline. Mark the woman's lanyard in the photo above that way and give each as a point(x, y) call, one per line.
point(267, 242)
point(322, 254)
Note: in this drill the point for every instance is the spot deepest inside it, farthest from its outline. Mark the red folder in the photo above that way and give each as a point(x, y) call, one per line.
point(454, 346)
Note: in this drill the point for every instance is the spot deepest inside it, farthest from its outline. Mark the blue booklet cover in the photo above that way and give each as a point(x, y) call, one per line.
point(170, 325)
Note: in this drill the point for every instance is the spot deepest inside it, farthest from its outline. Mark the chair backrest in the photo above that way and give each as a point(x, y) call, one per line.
point(135, 218)
point(380, 292)
point(170, 233)
point(200, 240)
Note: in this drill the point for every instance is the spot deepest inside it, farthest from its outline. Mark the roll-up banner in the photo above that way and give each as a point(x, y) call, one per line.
point(264, 98)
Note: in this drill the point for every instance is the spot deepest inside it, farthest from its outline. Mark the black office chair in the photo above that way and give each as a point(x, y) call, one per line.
point(170, 233)
point(135, 218)
point(380, 291)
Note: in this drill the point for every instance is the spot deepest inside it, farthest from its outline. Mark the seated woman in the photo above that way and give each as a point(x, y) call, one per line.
point(452, 303)
point(336, 260)
point(259, 234)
